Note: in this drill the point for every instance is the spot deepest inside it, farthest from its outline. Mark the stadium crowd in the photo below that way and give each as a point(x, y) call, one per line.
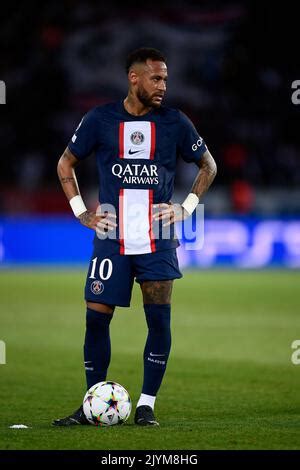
point(228, 71)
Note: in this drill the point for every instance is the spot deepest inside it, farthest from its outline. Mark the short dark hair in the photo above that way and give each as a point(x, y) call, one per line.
point(142, 54)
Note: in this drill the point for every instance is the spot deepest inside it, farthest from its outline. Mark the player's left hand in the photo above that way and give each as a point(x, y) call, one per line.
point(169, 212)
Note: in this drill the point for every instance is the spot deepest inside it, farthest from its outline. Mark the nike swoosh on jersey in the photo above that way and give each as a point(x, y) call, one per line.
point(131, 152)
point(151, 354)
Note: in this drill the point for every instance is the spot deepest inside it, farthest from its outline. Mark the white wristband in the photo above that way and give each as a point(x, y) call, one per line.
point(77, 205)
point(190, 203)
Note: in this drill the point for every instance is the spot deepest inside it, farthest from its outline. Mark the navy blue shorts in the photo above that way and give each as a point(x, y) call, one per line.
point(110, 276)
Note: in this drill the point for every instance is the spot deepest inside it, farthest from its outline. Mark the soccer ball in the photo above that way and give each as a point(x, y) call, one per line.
point(106, 404)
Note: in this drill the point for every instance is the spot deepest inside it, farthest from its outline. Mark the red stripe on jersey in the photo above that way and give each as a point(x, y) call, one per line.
point(121, 140)
point(151, 236)
point(121, 221)
point(153, 140)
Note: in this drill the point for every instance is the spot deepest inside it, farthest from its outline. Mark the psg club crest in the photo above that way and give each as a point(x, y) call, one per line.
point(137, 138)
point(97, 287)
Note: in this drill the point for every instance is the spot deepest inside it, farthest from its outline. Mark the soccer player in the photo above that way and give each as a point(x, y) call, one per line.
point(136, 142)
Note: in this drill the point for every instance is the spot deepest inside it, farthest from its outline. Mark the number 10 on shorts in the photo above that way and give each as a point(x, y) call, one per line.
point(105, 269)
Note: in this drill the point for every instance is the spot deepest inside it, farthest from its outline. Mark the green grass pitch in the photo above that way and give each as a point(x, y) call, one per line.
point(230, 382)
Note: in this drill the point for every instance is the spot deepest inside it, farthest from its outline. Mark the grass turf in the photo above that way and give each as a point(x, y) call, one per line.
point(230, 382)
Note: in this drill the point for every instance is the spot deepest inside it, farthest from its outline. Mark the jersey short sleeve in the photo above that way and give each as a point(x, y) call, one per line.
point(190, 145)
point(84, 140)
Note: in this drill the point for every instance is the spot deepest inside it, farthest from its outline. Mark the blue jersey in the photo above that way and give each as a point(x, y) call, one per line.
point(136, 160)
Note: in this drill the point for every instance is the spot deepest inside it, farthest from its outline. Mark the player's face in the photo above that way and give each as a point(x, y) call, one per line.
point(152, 83)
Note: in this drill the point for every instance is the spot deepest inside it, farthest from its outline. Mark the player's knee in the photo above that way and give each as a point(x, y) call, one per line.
point(157, 292)
point(101, 308)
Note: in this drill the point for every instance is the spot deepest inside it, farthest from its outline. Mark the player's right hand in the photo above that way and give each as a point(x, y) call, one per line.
point(102, 223)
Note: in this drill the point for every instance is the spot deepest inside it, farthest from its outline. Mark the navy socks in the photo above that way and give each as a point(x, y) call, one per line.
point(157, 346)
point(96, 346)
point(97, 350)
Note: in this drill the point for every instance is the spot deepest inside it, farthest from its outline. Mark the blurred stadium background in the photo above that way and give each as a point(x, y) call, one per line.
point(231, 68)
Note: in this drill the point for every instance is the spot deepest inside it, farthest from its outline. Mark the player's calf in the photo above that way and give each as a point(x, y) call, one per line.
point(156, 354)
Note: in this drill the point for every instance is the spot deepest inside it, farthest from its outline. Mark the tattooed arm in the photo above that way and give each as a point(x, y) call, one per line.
point(206, 175)
point(66, 173)
point(175, 212)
